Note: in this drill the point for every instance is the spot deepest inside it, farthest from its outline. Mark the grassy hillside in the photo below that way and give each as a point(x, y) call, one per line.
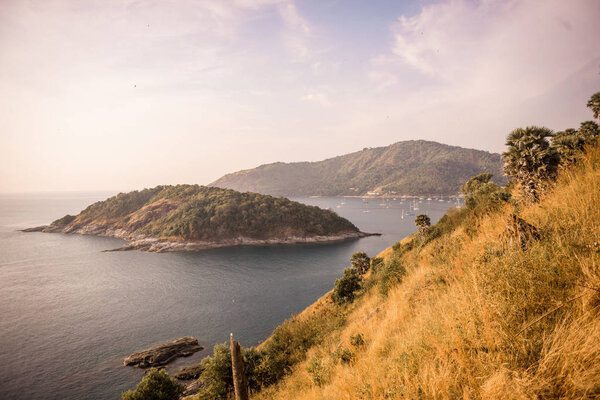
point(476, 309)
point(192, 212)
point(407, 168)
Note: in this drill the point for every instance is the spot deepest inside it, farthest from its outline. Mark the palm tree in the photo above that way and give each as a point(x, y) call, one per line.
point(530, 160)
point(360, 261)
point(568, 144)
point(423, 223)
point(594, 104)
point(589, 131)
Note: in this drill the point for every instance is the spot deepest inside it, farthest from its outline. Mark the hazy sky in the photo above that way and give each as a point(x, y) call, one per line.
point(120, 95)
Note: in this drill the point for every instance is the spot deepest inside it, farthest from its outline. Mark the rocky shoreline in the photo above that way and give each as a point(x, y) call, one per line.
point(157, 245)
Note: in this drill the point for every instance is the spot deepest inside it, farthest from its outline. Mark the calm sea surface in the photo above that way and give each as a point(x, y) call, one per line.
point(70, 313)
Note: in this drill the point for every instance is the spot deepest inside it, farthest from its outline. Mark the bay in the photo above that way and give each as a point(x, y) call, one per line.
point(70, 313)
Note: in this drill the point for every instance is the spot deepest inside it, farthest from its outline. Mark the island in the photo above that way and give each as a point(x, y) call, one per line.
point(194, 217)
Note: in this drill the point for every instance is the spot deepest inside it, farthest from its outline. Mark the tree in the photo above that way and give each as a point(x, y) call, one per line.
point(589, 131)
point(594, 104)
point(530, 160)
point(346, 286)
point(360, 261)
point(156, 385)
point(423, 223)
point(570, 143)
point(482, 194)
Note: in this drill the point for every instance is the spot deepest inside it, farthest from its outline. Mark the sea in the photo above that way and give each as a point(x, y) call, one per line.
point(70, 313)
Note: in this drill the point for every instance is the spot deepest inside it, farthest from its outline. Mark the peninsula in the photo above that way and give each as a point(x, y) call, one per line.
point(193, 217)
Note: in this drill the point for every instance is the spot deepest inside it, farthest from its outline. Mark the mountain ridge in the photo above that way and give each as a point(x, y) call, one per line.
point(414, 167)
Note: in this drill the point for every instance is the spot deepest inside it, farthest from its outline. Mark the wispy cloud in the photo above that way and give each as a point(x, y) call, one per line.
point(473, 68)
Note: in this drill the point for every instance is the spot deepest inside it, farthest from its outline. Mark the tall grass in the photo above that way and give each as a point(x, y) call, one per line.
point(475, 315)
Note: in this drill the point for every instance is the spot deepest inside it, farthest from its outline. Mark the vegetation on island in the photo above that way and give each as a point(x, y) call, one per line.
point(193, 212)
point(498, 299)
point(415, 167)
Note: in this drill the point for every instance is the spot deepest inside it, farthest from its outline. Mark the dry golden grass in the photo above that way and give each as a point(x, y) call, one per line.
point(477, 317)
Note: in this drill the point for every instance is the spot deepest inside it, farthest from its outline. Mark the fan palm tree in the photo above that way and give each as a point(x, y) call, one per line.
point(530, 160)
point(423, 223)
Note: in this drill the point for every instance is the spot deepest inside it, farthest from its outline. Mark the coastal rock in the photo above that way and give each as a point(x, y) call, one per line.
point(164, 353)
point(189, 373)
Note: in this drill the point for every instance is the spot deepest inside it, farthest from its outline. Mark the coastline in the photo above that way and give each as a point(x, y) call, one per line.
point(158, 245)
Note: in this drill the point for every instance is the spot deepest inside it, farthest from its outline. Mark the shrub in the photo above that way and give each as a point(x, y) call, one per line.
point(156, 385)
point(482, 195)
point(346, 287)
point(316, 369)
point(217, 378)
point(375, 261)
point(345, 355)
point(357, 340)
point(389, 275)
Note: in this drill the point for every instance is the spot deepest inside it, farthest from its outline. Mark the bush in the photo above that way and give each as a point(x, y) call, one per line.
point(483, 196)
point(346, 287)
point(375, 261)
point(217, 377)
point(345, 355)
point(156, 385)
point(317, 370)
point(389, 275)
point(357, 340)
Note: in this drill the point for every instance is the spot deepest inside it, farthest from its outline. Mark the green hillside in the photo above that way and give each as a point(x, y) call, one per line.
point(200, 213)
point(404, 168)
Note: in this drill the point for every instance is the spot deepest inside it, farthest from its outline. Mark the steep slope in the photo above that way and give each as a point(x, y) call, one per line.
point(406, 168)
point(477, 309)
point(192, 217)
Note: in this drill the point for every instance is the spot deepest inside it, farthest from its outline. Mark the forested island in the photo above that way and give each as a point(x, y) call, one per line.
point(413, 168)
point(194, 217)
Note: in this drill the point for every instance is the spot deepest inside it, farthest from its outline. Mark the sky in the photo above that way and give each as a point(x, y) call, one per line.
point(127, 94)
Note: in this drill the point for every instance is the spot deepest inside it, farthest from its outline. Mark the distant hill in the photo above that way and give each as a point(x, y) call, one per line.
point(192, 217)
point(415, 167)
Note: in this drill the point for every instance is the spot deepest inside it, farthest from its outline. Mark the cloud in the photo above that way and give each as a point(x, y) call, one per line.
point(500, 46)
point(475, 70)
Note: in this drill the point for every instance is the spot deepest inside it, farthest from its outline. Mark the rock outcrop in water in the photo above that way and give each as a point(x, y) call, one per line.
point(164, 353)
point(192, 218)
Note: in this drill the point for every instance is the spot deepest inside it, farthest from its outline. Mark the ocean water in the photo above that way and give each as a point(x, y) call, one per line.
point(70, 313)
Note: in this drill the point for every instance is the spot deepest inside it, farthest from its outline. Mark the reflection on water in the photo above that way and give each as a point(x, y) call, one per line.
point(71, 313)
